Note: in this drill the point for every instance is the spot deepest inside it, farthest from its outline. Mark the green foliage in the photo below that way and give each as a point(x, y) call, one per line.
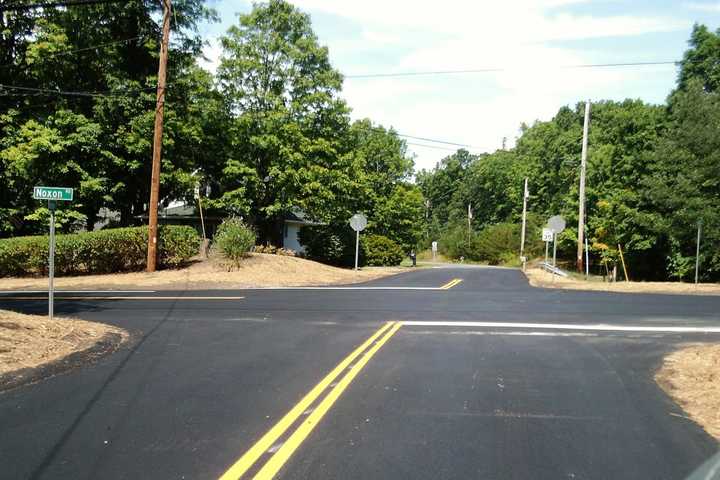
point(331, 244)
point(234, 239)
point(104, 251)
point(177, 244)
point(381, 251)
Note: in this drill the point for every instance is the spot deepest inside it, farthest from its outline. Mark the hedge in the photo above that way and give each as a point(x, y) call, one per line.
point(103, 251)
point(380, 251)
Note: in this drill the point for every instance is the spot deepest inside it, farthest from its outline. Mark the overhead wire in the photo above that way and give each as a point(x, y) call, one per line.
point(505, 69)
point(85, 49)
point(66, 3)
point(47, 91)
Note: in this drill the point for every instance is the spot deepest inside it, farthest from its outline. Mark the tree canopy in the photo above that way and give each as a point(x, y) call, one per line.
point(652, 175)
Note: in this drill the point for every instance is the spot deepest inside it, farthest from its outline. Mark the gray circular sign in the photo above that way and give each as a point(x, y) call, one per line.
point(556, 224)
point(358, 222)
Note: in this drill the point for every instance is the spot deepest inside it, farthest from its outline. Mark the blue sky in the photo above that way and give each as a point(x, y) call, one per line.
point(522, 36)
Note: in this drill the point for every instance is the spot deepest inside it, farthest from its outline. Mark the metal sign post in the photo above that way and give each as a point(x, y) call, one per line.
point(697, 251)
point(358, 222)
point(556, 224)
point(52, 204)
point(52, 195)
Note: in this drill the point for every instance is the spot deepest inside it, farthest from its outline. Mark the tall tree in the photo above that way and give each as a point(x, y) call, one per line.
point(290, 122)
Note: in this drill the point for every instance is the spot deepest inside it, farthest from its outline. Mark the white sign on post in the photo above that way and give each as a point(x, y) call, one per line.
point(547, 234)
point(52, 195)
point(358, 222)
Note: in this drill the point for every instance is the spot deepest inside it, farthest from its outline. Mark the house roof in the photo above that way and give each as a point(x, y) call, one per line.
point(300, 217)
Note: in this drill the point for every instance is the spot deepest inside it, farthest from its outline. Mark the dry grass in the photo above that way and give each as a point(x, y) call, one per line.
point(258, 270)
point(541, 278)
point(28, 341)
point(691, 376)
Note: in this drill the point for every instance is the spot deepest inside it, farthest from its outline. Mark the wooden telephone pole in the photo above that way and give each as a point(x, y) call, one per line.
point(583, 166)
point(157, 142)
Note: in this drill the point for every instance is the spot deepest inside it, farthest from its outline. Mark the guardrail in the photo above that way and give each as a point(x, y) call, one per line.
point(553, 270)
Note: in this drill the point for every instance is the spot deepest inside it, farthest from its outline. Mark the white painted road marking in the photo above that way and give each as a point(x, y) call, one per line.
point(342, 288)
point(560, 326)
point(14, 292)
point(507, 333)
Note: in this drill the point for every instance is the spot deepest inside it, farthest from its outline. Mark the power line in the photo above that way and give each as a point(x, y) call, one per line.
point(85, 49)
point(67, 3)
point(436, 147)
point(435, 141)
point(504, 69)
point(426, 139)
point(47, 91)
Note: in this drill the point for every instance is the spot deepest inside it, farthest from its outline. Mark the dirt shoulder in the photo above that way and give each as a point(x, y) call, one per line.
point(32, 347)
point(541, 278)
point(691, 376)
point(258, 270)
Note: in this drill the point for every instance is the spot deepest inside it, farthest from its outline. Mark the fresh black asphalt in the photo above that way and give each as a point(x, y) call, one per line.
point(203, 380)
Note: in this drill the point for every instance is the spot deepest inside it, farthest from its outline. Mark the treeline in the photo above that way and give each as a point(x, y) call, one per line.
point(653, 173)
point(267, 134)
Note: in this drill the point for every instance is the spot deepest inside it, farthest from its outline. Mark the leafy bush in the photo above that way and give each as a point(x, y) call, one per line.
point(234, 239)
point(331, 244)
point(381, 251)
point(103, 251)
point(495, 244)
point(177, 244)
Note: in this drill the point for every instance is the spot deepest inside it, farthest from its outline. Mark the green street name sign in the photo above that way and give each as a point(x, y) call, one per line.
point(53, 193)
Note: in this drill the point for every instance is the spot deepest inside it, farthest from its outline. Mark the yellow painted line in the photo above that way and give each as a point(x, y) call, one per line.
point(86, 297)
point(271, 468)
point(451, 284)
point(267, 440)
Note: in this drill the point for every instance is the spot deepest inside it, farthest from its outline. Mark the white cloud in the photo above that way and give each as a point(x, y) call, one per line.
point(703, 7)
point(522, 36)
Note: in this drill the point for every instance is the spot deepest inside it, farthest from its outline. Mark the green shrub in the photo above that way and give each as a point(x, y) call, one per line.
point(178, 243)
point(331, 244)
point(103, 251)
point(381, 251)
point(234, 239)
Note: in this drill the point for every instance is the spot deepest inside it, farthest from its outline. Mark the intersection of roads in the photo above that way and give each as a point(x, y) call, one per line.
point(440, 373)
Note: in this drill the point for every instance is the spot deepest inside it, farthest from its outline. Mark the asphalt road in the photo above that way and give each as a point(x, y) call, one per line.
point(488, 379)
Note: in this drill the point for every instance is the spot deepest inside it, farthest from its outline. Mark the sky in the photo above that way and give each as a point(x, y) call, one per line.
point(527, 39)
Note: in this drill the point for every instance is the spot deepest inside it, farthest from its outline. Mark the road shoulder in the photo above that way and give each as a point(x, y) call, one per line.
point(691, 376)
point(33, 348)
point(542, 279)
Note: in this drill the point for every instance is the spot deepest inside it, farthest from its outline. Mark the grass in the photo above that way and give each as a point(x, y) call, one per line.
point(29, 341)
point(691, 376)
point(258, 270)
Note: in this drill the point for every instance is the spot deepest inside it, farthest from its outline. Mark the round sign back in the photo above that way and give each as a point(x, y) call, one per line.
point(556, 224)
point(358, 222)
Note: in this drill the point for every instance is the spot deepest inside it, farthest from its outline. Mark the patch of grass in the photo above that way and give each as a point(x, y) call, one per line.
point(30, 341)
point(691, 376)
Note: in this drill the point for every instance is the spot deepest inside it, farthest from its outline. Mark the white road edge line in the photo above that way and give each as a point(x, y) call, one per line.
point(341, 288)
point(560, 326)
point(505, 333)
point(14, 292)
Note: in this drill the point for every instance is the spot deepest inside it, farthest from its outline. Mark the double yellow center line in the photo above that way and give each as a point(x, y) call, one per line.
point(451, 284)
point(362, 354)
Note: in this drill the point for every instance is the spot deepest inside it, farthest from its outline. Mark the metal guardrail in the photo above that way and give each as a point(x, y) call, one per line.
point(554, 270)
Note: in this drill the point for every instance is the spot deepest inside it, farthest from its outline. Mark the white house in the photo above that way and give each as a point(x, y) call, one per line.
point(294, 221)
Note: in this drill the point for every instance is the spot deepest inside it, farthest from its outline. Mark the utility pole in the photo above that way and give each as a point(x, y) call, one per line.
point(581, 212)
point(526, 194)
point(157, 142)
